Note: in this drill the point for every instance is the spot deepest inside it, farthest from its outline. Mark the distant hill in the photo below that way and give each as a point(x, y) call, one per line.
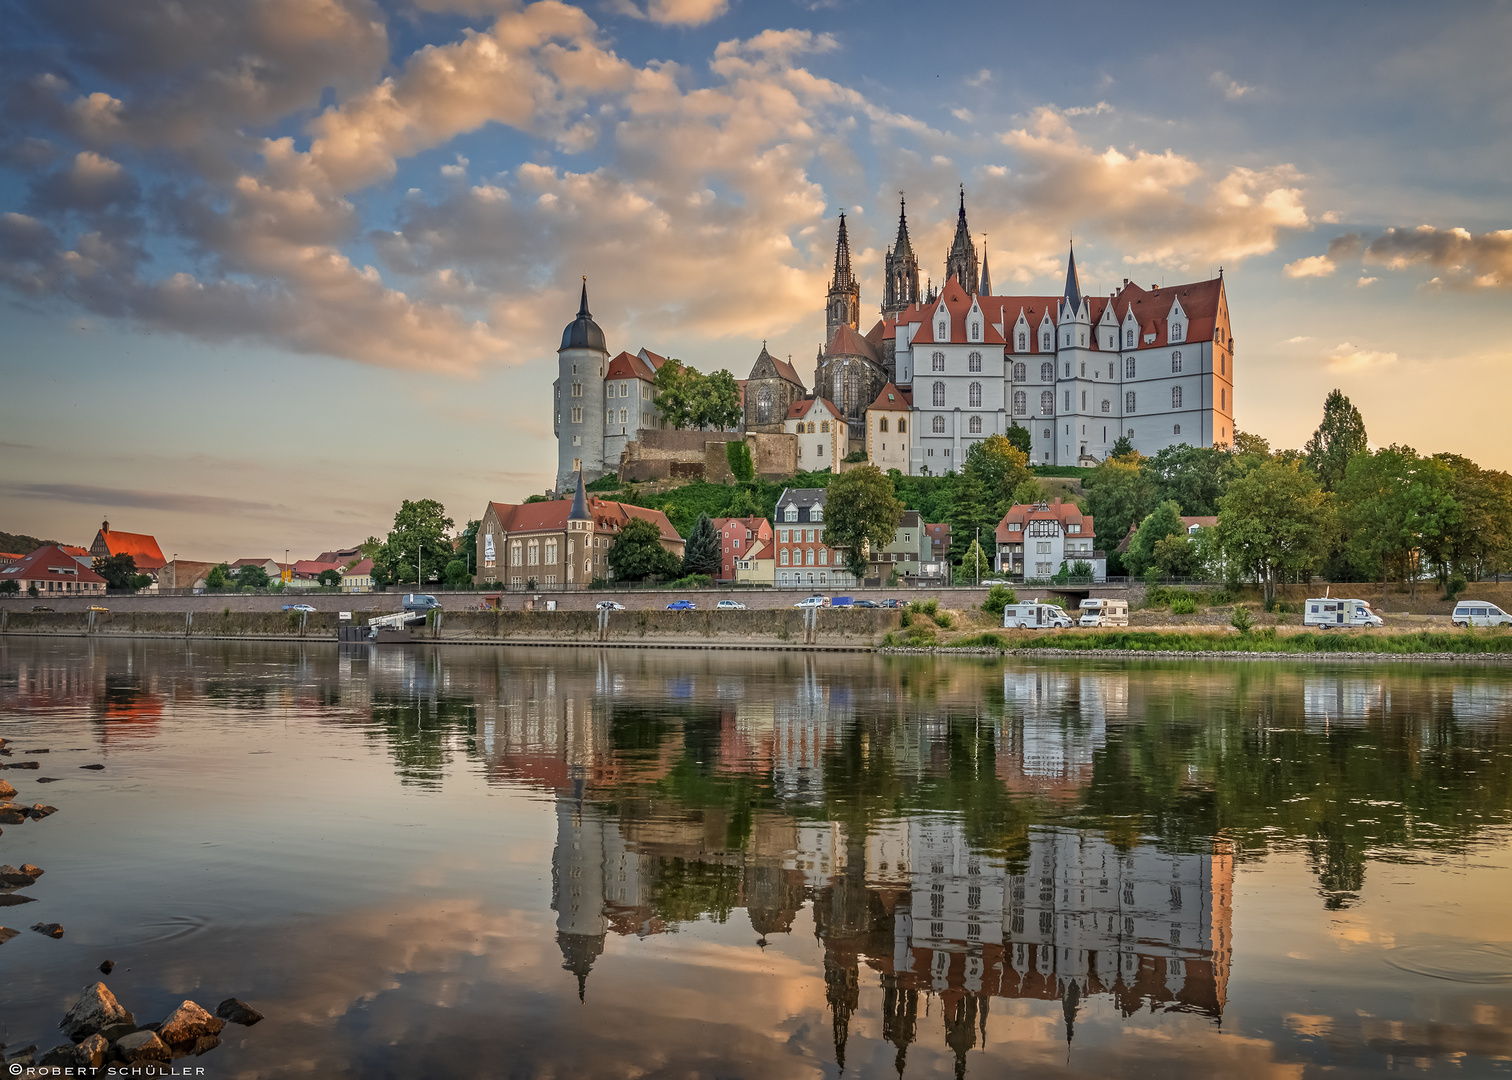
point(21, 544)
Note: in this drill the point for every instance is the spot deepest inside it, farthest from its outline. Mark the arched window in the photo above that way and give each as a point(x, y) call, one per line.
point(882, 425)
point(1176, 429)
point(1129, 368)
point(1047, 403)
point(1023, 341)
point(1176, 361)
point(902, 426)
point(976, 331)
point(975, 425)
point(1020, 373)
point(937, 362)
point(1047, 341)
point(1047, 373)
point(516, 558)
point(784, 556)
point(974, 362)
point(1107, 406)
point(1068, 371)
point(974, 395)
point(1129, 339)
point(940, 330)
point(1020, 402)
point(811, 556)
point(1175, 397)
point(764, 405)
point(824, 425)
point(1129, 402)
point(939, 393)
point(1047, 433)
point(938, 425)
point(1176, 331)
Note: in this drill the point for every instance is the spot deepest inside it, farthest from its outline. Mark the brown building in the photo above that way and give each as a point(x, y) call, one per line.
point(772, 388)
point(562, 542)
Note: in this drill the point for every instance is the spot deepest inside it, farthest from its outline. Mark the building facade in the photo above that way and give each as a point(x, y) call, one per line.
point(51, 571)
point(803, 559)
point(142, 548)
point(1033, 542)
point(772, 388)
point(738, 538)
point(887, 430)
point(823, 435)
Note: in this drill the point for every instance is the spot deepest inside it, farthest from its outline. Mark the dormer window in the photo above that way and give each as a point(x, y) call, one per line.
point(1023, 342)
point(1130, 338)
point(1176, 331)
point(976, 331)
point(816, 514)
point(940, 330)
point(1047, 341)
point(792, 513)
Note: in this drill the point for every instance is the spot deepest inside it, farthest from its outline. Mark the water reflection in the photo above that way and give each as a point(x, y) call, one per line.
point(966, 841)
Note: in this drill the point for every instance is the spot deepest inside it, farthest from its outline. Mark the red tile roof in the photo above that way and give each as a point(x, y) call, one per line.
point(629, 366)
point(39, 565)
point(847, 342)
point(142, 548)
point(363, 567)
point(552, 516)
point(958, 302)
point(890, 399)
point(313, 567)
point(656, 360)
point(1023, 513)
point(767, 550)
point(803, 406)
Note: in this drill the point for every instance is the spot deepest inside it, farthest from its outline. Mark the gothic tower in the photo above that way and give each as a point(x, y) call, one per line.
point(579, 399)
point(843, 307)
point(961, 261)
point(901, 270)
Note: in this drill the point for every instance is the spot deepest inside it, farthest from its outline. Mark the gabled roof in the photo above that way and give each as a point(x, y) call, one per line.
point(656, 360)
point(958, 302)
point(847, 342)
point(890, 399)
point(801, 497)
point(142, 548)
point(628, 366)
point(313, 567)
point(785, 371)
point(49, 562)
point(1021, 514)
point(552, 516)
point(239, 563)
point(365, 567)
point(801, 408)
point(881, 332)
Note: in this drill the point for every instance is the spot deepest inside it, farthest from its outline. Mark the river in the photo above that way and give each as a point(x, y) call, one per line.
point(524, 862)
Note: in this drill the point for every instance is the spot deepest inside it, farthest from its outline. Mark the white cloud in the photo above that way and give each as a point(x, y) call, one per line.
point(1232, 88)
point(1311, 266)
point(1090, 110)
point(1364, 281)
point(981, 78)
point(964, 115)
point(674, 12)
point(1348, 357)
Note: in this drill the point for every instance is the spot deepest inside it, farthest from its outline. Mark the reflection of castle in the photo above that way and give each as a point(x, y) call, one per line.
point(1053, 724)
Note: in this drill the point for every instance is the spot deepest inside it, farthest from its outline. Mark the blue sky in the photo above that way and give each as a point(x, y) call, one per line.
point(267, 268)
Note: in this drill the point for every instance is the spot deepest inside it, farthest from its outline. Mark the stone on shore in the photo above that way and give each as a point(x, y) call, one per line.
point(95, 1010)
point(6, 933)
point(12, 813)
point(204, 1044)
point(141, 1046)
point(91, 1052)
point(187, 1024)
point(95, 767)
point(50, 929)
point(38, 811)
point(27, 1055)
point(6, 791)
point(238, 1012)
point(19, 876)
point(108, 966)
point(48, 779)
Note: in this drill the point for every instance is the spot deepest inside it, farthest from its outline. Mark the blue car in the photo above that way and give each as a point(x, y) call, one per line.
point(682, 605)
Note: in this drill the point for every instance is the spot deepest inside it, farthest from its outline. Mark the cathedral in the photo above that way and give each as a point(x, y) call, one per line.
point(1153, 366)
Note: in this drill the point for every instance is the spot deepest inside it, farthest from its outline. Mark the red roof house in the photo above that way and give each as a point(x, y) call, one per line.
point(52, 572)
point(142, 548)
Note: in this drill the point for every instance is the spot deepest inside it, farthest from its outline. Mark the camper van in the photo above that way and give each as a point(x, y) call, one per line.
point(1099, 611)
point(1324, 611)
point(1026, 616)
point(1479, 613)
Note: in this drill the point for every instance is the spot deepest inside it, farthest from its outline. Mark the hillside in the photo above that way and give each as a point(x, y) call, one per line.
point(21, 544)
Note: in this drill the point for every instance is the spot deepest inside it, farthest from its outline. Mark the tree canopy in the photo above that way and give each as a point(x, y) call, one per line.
point(1340, 436)
point(1163, 522)
point(637, 553)
point(861, 513)
point(687, 398)
point(1119, 493)
point(701, 550)
point(421, 534)
point(1275, 521)
point(119, 571)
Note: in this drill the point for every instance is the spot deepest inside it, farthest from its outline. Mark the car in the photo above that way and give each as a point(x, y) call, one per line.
point(420, 602)
point(610, 605)
point(729, 605)
point(867, 603)
point(892, 602)
point(1479, 613)
point(682, 605)
point(298, 607)
point(813, 601)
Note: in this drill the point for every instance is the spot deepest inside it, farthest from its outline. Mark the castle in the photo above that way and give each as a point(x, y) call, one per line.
point(943, 368)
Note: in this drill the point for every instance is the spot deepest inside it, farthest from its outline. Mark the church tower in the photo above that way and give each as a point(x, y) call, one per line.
point(961, 261)
point(579, 399)
point(901, 270)
point(843, 307)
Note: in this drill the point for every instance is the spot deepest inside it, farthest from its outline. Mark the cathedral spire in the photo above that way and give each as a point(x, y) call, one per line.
point(986, 287)
point(900, 269)
point(843, 275)
point(961, 261)
point(843, 303)
point(902, 245)
point(1073, 283)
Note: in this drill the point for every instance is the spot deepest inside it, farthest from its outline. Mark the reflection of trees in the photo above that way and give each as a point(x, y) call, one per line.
point(420, 732)
point(686, 889)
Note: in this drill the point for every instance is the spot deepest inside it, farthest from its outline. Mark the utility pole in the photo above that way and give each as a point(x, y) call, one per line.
point(976, 561)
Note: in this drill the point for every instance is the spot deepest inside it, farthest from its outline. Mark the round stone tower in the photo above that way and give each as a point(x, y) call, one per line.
point(579, 395)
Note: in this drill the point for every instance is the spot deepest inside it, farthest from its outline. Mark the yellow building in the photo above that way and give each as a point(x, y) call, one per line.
point(887, 434)
point(758, 567)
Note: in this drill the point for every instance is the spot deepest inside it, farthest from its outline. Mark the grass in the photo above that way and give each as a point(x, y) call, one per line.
point(1467, 643)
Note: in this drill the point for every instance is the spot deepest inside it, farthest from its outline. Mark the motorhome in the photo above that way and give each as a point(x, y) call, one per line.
point(1025, 616)
point(1326, 611)
point(1479, 613)
point(1100, 611)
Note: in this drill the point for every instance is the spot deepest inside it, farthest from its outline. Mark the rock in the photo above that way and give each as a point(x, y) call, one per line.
point(95, 767)
point(39, 751)
point(12, 813)
point(108, 966)
point(18, 876)
point(95, 1010)
point(51, 929)
point(6, 933)
point(111, 1032)
point(238, 1012)
point(204, 1044)
point(25, 765)
point(91, 1052)
point(142, 1046)
point(188, 1023)
point(38, 811)
point(67, 1054)
point(48, 779)
point(15, 899)
point(6, 791)
point(27, 1055)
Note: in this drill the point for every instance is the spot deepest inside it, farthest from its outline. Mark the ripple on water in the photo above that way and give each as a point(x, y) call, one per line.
point(170, 929)
point(1459, 962)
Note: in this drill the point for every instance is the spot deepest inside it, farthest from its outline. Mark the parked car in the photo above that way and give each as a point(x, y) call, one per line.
point(298, 607)
point(610, 605)
point(813, 601)
point(867, 603)
point(1479, 613)
point(1328, 611)
point(420, 602)
point(682, 605)
point(1025, 616)
point(729, 605)
point(892, 601)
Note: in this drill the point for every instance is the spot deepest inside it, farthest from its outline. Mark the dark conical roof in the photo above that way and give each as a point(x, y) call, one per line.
point(843, 275)
point(582, 332)
point(902, 245)
point(1073, 283)
point(986, 287)
point(579, 511)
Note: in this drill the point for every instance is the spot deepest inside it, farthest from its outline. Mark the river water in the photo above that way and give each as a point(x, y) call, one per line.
point(477, 862)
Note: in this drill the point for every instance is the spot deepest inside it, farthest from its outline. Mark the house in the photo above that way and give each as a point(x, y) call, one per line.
point(937, 564)
point(799, 532)
point(142, 548)
point(557, 543)
point(184, 574)
point(358, 577)
point(737, 537)
point(306, 572)
point(887, 434)
point(272, 567)
point(1034, 540)
point(823, 437)
point(758, 566)
point(341, 556)
point(52, 572)
point(8, 557)
point(909, 548)
point(79, 553)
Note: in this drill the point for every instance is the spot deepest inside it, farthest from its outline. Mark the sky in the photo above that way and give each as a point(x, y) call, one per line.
point(268, 267)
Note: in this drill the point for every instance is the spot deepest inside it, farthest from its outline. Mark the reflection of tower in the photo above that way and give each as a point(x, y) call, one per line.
point(963, 1012)
point(842, 991)
point(577, 887)
point(900, 1018)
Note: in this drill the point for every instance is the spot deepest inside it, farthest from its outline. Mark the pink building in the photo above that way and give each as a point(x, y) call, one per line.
point(738, 537)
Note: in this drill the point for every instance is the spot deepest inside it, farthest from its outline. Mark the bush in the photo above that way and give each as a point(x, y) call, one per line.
point(905, 618)
point(691, 581)
point(1456, 586)
point(1241, 620)
point(925, 607)
point(894, 579)
point(943, 620)
point(9, 587)
point(738, 454)
point(981, 641)
point(1183, 605)
point(999, 597)
point(607, 482)
point(855, 457)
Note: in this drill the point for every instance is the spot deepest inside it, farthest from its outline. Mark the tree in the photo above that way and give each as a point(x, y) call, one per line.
point(738, 454)
point(1176, 556)
point(1165, 521)
point(457, 573)
point(10, 587)
point(701, 551)
point(1274, 521)
point(637, 553)
point(119, 571)
point(999, 597)
point(1196, 477)
point(1122, 447)
point(1339, 437)
point(1119, 493)
point(1001, 467)
point(466, 545)
point(328, 578)
point(860, 513)
point(1019, 436)
point(674, 393)
point(974, 566)
point(420, 535)
point(1482, 543)
point(218, 577)
point(251, 576)
point(716, 401)
point(1399, 512)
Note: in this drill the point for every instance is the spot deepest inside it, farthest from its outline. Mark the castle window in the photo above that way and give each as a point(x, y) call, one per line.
point(551, 552)
point(974, 362)
point(974, 425)
point(608, 416)
point(1020, 402)
point(1047, 403)
point(1129, 402)
point(1107, 406)
point(938, 424)
point(1110, 369)
point(824, 425)
point(1129, 339)
point(1023, 342)
point(1068, 403)
point(533, 553)
point(1223, 399)
point(577, 414)
point(1176, 361)
point(1131, 433)
point(1020, 373)
point(882, 425)
point(976, 331)
point(764, 405)
point(902, 426)
point(1176, 429)
point(974, 395)
point(1176, 331)
point(818, 449)
point(1222, 364)
point(1068, 371)
point(516, 552)
point(1129, 368)
point(939, 393)
point(937, 362)
point(1047, 433)
point(577, 389)
point(624, 416)
point(1047, 341)
point(1175, 397)
point(1084, 338)
point(1047, 372)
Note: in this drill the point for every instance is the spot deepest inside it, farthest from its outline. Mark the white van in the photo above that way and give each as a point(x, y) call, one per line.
point(1325, 611)
point(1479, 613)
point(1098, 611)
point(1025, 616)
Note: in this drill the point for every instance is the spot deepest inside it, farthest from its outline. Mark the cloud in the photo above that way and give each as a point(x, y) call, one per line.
point(1089, 110)
point(981, 78)
point(1348, 357)
point(1232, 89)
point(111, 498)
point(675, 12)
point(1311, 266)
point(1364, 281)
point(1467, 260)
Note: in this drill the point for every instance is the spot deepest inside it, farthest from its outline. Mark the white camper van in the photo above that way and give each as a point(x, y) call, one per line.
point(1479, 613)
point(1098, 611)
point(1032, 614)
point(1325, 611)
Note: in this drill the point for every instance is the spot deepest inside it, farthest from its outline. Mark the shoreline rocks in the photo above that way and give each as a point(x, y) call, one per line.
point(95, 1010)
point(238, 1012)
point(49, 929)
point(20, 876)
point(7, 792)
point(188, 1024)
